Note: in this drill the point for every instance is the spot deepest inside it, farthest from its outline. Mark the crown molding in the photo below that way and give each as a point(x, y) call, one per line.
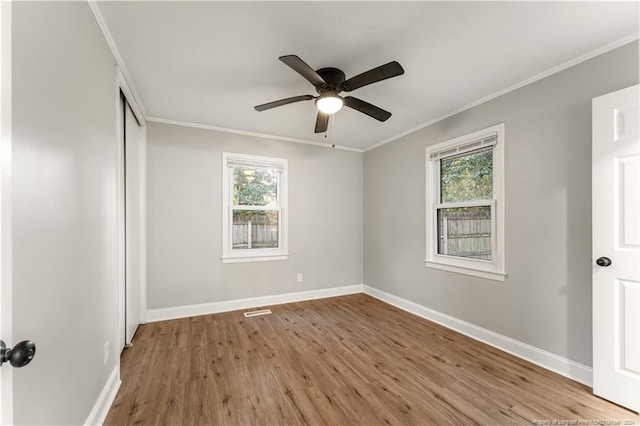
point(247, 133)
point(116, 54)
point(136, 98)
point(565, 65)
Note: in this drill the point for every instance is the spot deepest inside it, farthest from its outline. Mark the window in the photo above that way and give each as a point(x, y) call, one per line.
point(465, 204)
point(254, 214)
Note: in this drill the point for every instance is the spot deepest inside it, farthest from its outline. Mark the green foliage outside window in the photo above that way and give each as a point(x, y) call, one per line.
point(254, 186)
point(467, 178)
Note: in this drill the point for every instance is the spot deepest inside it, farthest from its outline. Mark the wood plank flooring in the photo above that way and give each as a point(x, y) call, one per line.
point(349, 360)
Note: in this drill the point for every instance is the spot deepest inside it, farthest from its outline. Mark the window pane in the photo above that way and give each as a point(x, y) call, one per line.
point(255, 229)
point(468, 177)
point(253, 186)
point(465, 232)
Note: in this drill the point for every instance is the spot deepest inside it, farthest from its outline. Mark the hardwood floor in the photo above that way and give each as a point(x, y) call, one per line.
point(349, 360)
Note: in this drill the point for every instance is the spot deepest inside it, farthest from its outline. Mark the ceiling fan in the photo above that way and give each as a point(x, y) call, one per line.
point(329, 82)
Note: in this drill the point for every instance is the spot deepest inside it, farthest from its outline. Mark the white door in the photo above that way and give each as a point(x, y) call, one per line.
point(6, 375)
point(616, 238)
point(132, 143)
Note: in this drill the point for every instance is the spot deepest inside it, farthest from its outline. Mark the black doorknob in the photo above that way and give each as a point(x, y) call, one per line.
point(603, 261)
point(20, 355)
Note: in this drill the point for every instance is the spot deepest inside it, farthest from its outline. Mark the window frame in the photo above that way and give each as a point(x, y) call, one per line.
point(231, 255)
point(492, 269)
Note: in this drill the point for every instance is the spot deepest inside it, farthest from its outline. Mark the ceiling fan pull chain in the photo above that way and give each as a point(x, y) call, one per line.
point(333, 131)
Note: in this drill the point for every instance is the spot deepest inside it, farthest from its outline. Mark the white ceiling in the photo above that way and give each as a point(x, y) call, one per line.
point(209, 63)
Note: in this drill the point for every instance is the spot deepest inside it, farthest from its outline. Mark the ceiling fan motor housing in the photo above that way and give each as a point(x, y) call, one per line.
point(333, 78)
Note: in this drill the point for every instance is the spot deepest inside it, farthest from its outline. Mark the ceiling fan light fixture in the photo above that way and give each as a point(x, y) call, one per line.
point(329, 103)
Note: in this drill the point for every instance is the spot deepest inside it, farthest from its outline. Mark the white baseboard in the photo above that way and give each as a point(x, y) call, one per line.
point(163, 314)
point(571, 369)
point(101, 408)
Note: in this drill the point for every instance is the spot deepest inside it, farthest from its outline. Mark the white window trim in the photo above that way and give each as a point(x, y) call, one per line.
point(494, 269)
point(236, 256)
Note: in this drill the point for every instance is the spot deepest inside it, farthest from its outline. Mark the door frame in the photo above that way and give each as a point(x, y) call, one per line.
point(6, 162)
point(123, 86)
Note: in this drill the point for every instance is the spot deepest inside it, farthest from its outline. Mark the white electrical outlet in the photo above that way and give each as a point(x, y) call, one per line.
point(299, 277)
point(106, 352)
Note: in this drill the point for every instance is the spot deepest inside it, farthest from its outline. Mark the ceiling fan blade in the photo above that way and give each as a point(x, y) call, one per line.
point(281, 102)
point(301, 67)
point(366, 108)
point(392, 69)
point(322, 122)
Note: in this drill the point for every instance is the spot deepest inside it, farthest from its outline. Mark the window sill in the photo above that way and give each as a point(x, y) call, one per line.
point(241, 259)
point(491, 275)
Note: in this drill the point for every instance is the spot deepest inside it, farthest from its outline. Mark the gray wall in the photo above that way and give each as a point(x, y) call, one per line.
point(546, 299)
point(64, 213)
point(184, 239)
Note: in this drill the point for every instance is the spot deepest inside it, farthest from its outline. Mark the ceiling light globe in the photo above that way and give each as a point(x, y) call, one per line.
point(329, 104)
